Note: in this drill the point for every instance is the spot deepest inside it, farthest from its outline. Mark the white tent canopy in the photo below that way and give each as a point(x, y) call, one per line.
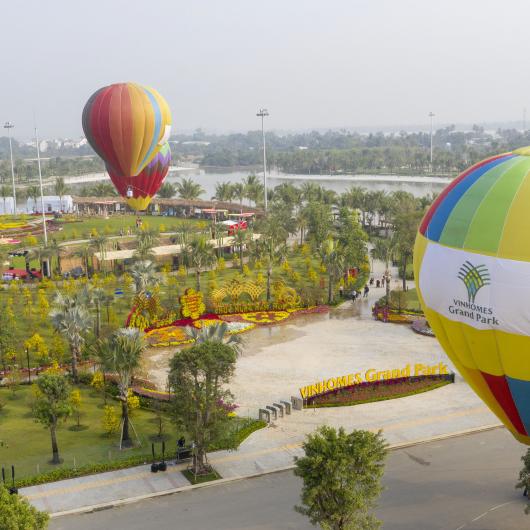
point(52, 203)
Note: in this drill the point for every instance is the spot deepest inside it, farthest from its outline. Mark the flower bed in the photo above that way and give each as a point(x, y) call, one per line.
point(368, 392)
point(175, 334)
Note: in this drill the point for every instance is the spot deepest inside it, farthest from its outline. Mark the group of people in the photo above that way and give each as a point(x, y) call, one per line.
point(364, 294)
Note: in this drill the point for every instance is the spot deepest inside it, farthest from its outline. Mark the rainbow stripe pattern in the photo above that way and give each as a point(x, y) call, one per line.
point(126, 124)
point(472, 270)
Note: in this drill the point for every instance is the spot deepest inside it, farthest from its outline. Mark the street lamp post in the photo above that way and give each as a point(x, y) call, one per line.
point(8, 125)
point(431, 115)
point(262, 113)
point(41, 189)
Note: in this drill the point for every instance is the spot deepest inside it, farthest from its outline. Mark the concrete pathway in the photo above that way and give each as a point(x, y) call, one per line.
point(277, 361)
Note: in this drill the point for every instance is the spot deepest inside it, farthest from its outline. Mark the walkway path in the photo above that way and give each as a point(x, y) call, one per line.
point(277, 361)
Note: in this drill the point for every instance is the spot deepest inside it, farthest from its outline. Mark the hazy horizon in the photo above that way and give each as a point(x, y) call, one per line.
point(352, 64)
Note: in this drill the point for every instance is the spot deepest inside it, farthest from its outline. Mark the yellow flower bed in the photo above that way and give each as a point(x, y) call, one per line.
point(265, 317)
point(170, 336)
point(8, 225)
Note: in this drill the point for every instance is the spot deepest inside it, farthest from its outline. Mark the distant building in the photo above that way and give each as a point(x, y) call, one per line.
point(6, 205)
point(52, 204)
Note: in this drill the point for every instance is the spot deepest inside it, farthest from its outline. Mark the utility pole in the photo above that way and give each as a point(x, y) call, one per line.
point(41, 189)
point(262, 113)
point(8, 125)
point(431, 115)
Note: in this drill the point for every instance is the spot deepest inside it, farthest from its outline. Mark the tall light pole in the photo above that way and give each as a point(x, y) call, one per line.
point(262, 113)
point(41, 190)
point(8, 125)
point(431, 115)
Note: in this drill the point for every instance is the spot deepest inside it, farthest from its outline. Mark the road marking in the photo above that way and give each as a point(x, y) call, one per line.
point(486, 513)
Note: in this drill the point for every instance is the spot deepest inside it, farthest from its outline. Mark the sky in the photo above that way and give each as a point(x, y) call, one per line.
point(311, 63)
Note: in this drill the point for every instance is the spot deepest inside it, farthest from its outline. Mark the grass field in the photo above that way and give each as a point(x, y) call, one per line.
point(26, 444)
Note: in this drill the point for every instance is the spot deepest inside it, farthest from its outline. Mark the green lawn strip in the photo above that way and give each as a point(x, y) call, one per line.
point(199, 479)
point(26, 444)
point(380, 398)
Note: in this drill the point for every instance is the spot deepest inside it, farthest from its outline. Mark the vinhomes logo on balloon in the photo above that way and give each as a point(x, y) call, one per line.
point(474, 278)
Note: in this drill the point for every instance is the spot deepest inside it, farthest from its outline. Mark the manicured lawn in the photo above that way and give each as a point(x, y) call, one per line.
point(112, 225)
point(412, 300)
point(27, 445)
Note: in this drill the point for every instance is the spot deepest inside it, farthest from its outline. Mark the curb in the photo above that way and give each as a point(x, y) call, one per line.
point(123, 502)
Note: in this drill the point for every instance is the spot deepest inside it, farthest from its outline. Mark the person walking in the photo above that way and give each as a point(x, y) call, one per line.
point(366, 291)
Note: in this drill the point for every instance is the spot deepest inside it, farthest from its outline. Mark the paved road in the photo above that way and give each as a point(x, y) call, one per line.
point(463, 483)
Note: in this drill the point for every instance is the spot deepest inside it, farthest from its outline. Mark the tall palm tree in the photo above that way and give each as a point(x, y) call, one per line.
point(121, 353)
point(166, 191)
point(145, 241)
point(333, 259)
point(57, 251)
point(71, 318)
point(242, 238)
point(85, 253)
point(239, 191)
point(60, 189)
point(143, 275)
point(224, 191)
point(187, 189)
point(200, 255)
point(33, 194)
point(99, 243)
point(271, 248)
point(98, 296)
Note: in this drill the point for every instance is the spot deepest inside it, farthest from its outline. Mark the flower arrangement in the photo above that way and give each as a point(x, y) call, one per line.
point(265, 317)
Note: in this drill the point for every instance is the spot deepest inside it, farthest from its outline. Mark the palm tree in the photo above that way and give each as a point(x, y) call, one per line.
point(85, 253)
point(121, 353)
point(98, 296)
point(224, 191)
point(333, 259)
point(143, 275)
point(57, 251)
point(239, 191)
point(241, 238)
point(200, 255)
point(187, 189)
point(60, 190)
point(215, 333)
point(71, 318)
point(271, 247)
point(146, 240)
point(166, 191)
point(33, 194)
point(99, 243)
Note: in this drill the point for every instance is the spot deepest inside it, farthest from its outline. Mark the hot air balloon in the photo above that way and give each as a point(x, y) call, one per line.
point(127, 124)
point(472, 269)
point(138, 191)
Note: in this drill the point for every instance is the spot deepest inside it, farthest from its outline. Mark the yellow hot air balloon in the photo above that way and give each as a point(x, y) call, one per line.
point(472, 269)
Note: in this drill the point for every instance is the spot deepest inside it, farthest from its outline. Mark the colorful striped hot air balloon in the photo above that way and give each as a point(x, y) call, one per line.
point(138, 191)
point(472, 269)
point(126, 124)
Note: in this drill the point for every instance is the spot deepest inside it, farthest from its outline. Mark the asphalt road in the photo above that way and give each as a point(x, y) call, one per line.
point(464, 483)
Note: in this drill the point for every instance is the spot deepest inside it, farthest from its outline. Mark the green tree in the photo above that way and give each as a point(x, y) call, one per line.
point(242, 238)
point(146, 240)
point(71, 318)
point(382, 250)
point(143, 275)
point(198, 377)
point(341, 476)
point(524, 477)
point(17, 514)
point(4, 193)
point(34, 193)
point(6, 336)
point(224, 191)
point(200, 255)
point(121, 353)
point(333, 257)
point(57, 251)
point(52, 403)
point(187, 189)
point(166, 191)
point(61, 189)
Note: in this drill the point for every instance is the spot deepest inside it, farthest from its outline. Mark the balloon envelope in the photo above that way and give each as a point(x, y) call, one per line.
point(472, 270)
point(144, 186)
point(126, 124)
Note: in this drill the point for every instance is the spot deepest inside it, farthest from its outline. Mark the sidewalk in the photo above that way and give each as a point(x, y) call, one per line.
point(405, 421)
